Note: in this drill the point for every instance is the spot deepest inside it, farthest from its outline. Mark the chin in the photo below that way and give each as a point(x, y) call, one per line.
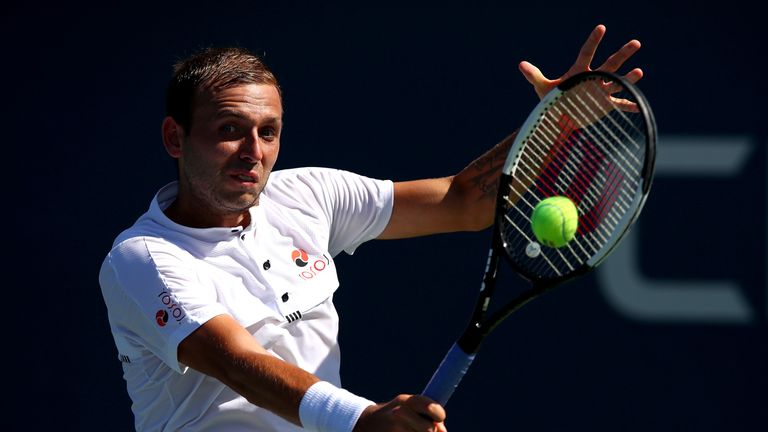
point(236, 203)
point(246, 201)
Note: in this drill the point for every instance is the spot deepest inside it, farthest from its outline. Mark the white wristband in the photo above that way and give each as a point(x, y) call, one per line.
point(327, 408)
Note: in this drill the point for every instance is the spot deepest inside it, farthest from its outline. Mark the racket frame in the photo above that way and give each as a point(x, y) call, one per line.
point(458, 359)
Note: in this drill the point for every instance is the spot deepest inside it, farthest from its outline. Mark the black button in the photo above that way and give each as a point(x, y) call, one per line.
point(285, 297)
point(266, 265)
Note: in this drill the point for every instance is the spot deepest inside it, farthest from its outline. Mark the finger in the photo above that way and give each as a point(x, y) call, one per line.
point(614, 62)
point(426, 407)
point(612, 87)
point(436, 427)
point(634, 75)
point(436, 412)
point(541, 84)
point(587, 52)
point(417, 422)
point(624, 105)
point(531, 73)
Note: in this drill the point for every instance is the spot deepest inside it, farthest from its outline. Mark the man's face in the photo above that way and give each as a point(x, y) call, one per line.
point(227, 156)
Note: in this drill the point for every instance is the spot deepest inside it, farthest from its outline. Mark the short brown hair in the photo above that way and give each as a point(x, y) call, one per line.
point(212, 68)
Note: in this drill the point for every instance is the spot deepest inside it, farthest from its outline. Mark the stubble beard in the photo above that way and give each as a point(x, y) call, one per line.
point(207, 190)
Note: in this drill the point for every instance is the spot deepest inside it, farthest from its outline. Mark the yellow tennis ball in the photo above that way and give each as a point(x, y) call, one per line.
point(554, 221)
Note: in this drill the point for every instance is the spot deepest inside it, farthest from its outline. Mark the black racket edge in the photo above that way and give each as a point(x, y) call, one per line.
point(480, 327)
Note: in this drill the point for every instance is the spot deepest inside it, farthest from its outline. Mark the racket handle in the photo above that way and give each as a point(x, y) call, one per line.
point(448, 375)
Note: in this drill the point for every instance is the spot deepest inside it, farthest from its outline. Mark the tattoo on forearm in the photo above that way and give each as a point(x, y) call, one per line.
point(487, 168)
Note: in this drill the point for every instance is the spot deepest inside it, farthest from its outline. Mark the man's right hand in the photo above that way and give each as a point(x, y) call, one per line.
point(405, 413)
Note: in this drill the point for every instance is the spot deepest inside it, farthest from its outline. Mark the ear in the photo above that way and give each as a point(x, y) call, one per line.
point(173, 136)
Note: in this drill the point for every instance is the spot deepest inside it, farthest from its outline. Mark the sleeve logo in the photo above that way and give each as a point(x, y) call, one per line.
point(172, 309)
point(161, 317)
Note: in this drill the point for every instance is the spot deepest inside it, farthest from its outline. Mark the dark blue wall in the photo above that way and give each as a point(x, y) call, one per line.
point(670, 334)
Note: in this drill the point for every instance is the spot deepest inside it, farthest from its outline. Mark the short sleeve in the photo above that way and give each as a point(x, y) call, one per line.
point(355, 208)
point(154, 298)
point(361, 210)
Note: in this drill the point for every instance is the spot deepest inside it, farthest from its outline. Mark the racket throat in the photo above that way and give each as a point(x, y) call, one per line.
point(473, 337)
point(477, 329)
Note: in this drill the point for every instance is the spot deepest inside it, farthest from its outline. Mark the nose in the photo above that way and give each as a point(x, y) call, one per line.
point(250, 150)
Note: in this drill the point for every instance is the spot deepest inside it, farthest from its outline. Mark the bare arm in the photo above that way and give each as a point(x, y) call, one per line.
point(463, 202)
point(225, 350)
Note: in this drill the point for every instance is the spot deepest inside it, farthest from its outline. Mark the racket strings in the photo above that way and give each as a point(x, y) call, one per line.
point(595, 111)
point(529, 239)
point(626, 121)
point(513, 224)
point(588, 149)
point(584, 182)
point(575, 183)
point(530, 206)
point(578, 184)
point(524, 215)
point(627, 167)
point(565, 260)
point(597, 129)
point(567, 162)
point(602, 140)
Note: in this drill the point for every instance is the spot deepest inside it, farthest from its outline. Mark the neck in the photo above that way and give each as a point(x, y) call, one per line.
point(205, 218)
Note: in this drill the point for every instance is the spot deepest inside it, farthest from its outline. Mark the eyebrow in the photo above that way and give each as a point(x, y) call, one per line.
point(226, 112)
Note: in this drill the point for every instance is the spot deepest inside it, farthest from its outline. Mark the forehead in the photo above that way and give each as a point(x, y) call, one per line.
point(244, 100)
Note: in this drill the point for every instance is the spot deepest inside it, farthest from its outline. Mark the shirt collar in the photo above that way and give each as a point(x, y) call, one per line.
point(165, 197)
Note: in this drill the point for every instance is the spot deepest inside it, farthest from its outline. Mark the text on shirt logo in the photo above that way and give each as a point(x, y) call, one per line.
point(317, 266)
point(172, 306)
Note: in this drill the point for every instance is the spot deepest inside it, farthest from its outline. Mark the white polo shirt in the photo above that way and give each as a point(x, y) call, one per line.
point(276, 277)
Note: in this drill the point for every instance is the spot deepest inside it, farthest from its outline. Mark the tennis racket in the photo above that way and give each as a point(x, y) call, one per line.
point(592, 139)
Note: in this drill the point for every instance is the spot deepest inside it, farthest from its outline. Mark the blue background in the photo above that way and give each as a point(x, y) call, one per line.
point(399, 93)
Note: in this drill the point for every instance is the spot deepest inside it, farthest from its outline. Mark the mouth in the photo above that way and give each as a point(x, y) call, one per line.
point(245, 177)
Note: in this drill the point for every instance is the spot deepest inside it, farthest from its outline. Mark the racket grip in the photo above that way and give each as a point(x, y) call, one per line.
point(448, 375)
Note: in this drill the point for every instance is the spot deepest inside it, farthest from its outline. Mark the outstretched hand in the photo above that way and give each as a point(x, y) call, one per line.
point(542, 85)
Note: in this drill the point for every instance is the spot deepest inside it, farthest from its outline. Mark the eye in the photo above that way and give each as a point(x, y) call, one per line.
point(227, 128)
point(269, 133)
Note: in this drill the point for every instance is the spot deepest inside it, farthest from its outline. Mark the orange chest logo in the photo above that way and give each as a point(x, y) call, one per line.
point(311, 266)
point(300, 257)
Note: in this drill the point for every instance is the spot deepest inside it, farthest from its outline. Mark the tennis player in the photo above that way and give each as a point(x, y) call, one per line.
point(220, 296)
